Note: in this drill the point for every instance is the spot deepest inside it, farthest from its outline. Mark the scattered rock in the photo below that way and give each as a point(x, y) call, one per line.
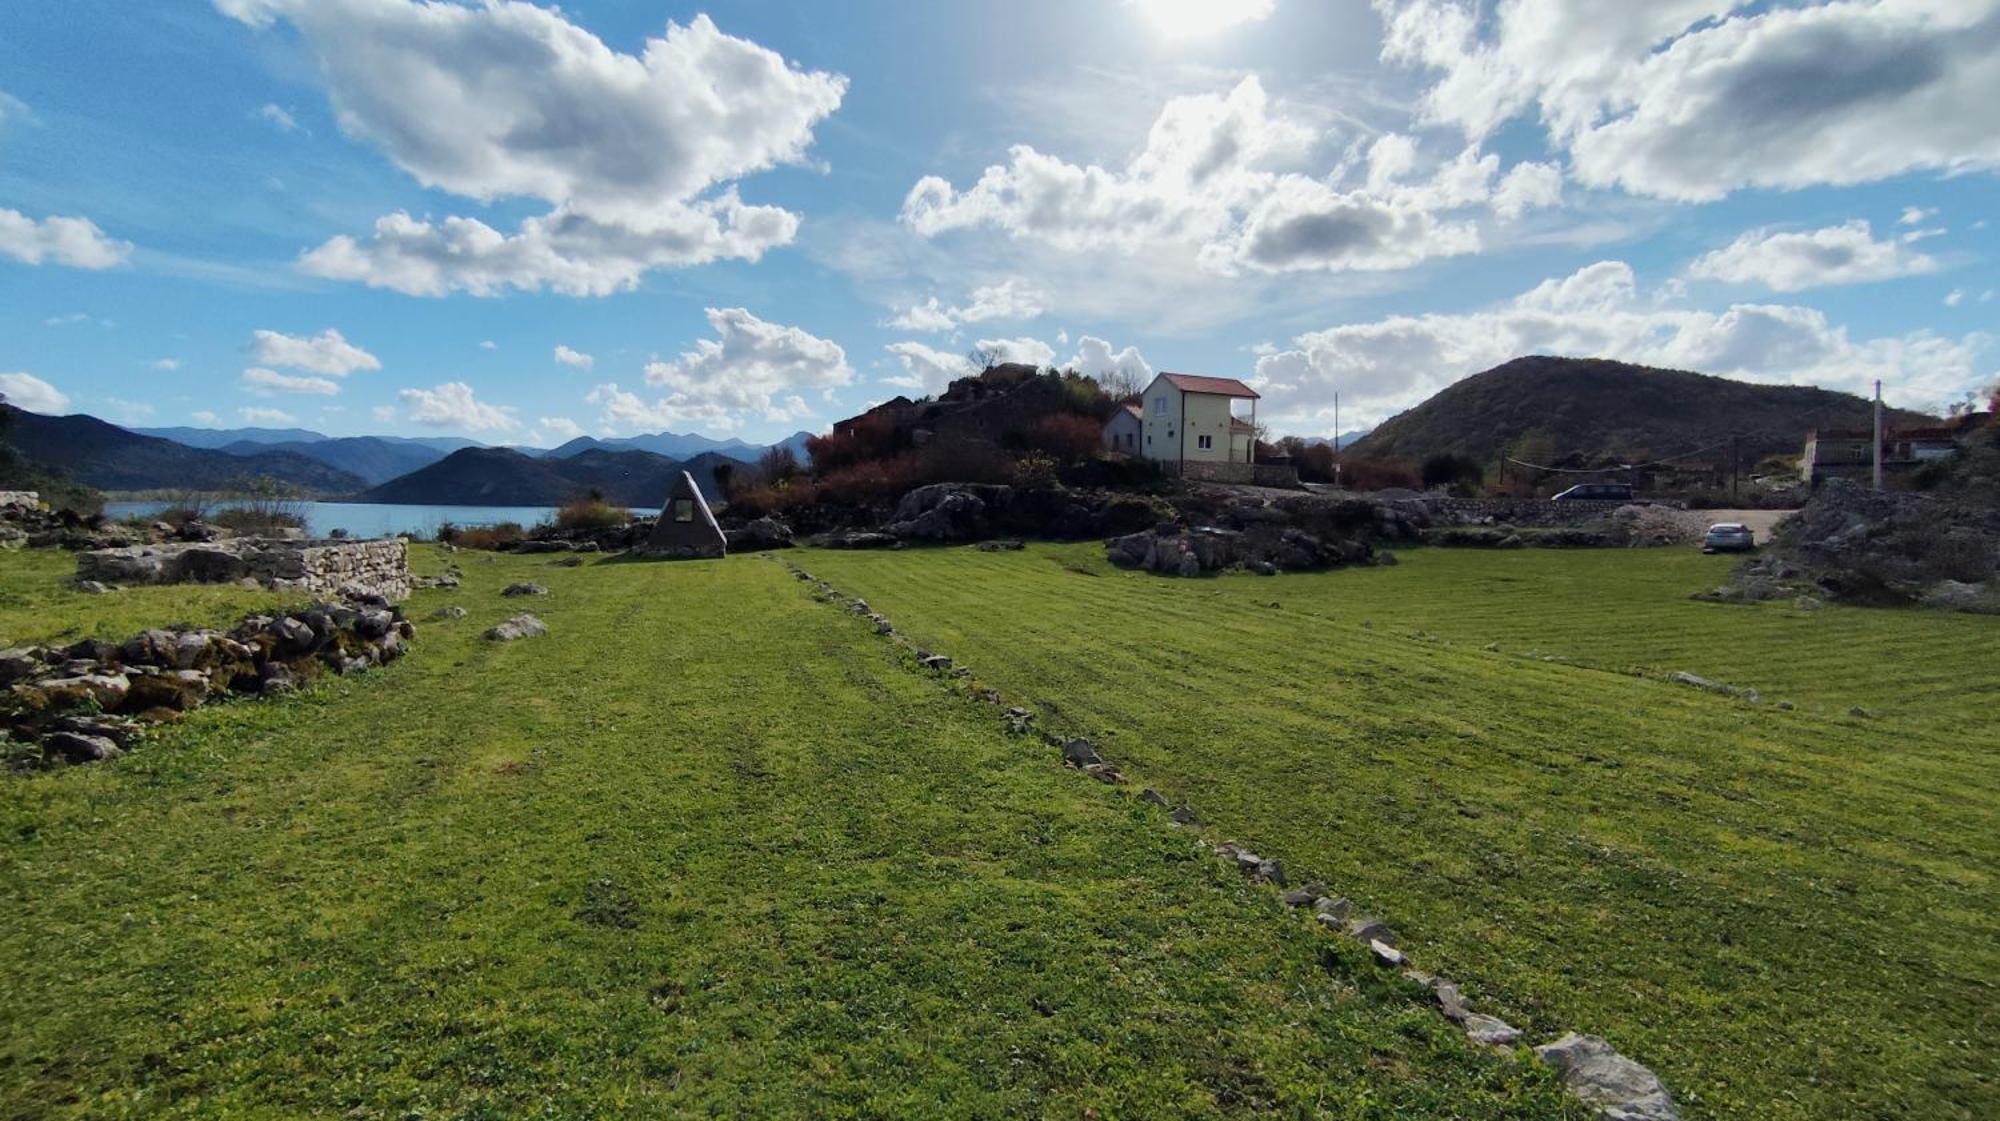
point(935, 662)
point(1618, 1088)
point(1153, 796)
point(1182, 815)
point(1371, 930)
point(1335, 909)
point(1450, 1001)
point(524, 589)
point(1080, 753)
point(1490, 1030)
point(75, 747)
point(518, 627)
point(93, 587)
point(1103, 772)
point(452, 612)
point(1004, 545)
point(1385, 954)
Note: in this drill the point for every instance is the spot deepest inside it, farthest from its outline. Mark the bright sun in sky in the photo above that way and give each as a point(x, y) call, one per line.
point(1191, 19)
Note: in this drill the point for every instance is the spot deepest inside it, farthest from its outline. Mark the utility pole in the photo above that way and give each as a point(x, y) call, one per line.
point(1878, 433)
point(1735, 464)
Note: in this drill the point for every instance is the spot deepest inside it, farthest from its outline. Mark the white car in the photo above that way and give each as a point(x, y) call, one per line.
point(1728, 537)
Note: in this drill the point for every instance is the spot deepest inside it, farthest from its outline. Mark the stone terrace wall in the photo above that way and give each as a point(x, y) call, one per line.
point(320, 568)
point(1527, 511)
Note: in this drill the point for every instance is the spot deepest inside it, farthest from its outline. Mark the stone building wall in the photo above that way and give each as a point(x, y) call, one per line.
point(319, 568)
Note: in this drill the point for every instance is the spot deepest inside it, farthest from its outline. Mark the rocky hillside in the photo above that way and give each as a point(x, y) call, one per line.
point(1593, 407)
point(504, 477)
point(108, 457)
point(1939, 547)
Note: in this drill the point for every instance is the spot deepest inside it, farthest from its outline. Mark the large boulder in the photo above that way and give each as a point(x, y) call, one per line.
point(762, 533)
point(942, 512)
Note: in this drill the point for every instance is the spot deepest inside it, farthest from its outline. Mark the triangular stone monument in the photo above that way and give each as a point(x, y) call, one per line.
point(686, 528)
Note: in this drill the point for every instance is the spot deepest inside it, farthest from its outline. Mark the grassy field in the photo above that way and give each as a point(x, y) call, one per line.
point(710, 848)
point(1787, 912)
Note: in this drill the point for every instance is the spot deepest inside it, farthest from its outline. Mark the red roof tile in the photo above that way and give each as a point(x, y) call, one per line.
point(1221, 387)
point(1133, 408)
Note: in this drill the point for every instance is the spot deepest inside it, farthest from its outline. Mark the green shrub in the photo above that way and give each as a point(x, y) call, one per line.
point(591, 512)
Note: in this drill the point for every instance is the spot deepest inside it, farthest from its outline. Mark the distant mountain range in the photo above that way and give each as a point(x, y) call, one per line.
point(426, 469)
point(108, 457)
point(505, 477)
point(1596, 407)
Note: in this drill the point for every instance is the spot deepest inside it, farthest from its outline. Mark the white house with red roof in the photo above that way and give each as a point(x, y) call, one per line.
point(1189, 424)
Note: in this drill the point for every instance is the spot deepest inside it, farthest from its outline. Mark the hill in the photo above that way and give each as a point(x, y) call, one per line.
point(1593, 406)
point(677, 446)
point(108, 457)
point(218, 438)
point(376, 459)
point(505, 477)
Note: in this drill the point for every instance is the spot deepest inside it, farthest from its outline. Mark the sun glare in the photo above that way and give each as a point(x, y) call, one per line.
point(1192, 19)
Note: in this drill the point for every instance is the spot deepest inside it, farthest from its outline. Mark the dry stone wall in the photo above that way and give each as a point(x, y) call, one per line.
point(322, 568)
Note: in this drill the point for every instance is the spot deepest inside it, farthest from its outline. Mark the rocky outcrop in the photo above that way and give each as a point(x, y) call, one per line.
point(1173, 550)
point(91, 700)
point(947, 512)
point(759, 534)
point(1863, 546)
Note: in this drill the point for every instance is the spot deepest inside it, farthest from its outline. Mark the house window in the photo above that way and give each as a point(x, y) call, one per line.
point(683, 509)
point(1204, 442)
point(1159, 406)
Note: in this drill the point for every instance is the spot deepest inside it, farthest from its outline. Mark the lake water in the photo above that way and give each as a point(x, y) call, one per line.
point(370, 519)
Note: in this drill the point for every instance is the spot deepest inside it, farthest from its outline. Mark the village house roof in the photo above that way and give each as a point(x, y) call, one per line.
point(1133, 408)
point(1220, 387)
point(1238, 424)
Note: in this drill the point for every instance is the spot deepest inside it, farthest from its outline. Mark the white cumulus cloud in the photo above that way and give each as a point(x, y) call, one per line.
point(1095, 358)
point(453, 405)
point(325, 353)
point(511, 100)
point(574, 359)
point(926, 369)
point(750, 368)
point(1693, 99)
point(1383, 366)
point(256, 415)
point(278, 117)
point(26, 391)
point(76, 242)
point(1788, 261)
point(1217, 180)
point(1012, 298)
point(265, 382)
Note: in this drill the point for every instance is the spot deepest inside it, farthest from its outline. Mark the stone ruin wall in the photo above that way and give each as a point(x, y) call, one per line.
point(319, 568)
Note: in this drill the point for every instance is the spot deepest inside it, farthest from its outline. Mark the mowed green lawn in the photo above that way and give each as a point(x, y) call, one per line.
point(1788, 913)
point(709, 849)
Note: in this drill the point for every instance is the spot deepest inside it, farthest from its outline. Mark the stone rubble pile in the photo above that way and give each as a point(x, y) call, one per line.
point(91, 700)
point(1612, 1086)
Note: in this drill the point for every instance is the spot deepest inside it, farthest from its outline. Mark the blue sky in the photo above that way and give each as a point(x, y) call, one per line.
point(520, 223)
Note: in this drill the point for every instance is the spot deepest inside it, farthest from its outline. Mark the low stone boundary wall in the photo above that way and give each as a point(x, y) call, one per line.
point(1259, 474)
point(1531, 511)
point(322, 568)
